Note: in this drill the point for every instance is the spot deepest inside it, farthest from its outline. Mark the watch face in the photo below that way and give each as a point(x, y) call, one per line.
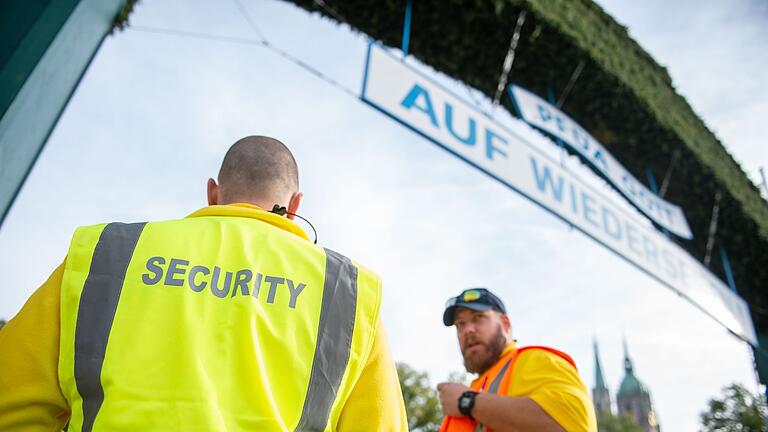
point(464, 401)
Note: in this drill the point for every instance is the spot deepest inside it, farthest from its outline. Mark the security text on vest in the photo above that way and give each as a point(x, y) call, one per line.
point(197, 277)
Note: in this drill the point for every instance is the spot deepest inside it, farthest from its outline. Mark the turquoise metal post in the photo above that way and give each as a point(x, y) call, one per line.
point(651, 180)
point(654, 189)
point(727, 268)
point(407, 27)
point(46, 50)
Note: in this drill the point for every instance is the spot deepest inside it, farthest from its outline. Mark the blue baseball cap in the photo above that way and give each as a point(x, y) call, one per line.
point(479, 299)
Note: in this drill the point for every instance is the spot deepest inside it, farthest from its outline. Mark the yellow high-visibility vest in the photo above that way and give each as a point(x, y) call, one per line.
point(211, 323)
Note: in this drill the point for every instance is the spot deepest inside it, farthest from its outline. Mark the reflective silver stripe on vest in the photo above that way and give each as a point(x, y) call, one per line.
point(494, 388)
point(334, 341)
point(98, 304)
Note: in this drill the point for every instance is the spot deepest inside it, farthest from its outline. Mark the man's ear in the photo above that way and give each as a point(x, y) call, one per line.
point(506, 323)
point(293, 203)
point(213, 192)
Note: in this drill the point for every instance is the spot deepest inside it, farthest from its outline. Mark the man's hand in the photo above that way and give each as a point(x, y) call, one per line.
point(449, 397)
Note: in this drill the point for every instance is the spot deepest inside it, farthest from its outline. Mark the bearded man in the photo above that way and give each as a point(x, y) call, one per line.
point(531, 388)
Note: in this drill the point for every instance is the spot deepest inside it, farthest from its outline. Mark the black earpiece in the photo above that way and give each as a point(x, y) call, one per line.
point(282, 211)
point(279, 210)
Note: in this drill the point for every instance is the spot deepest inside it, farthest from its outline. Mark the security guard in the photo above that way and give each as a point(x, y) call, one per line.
point(227, 320)
point(531, 388)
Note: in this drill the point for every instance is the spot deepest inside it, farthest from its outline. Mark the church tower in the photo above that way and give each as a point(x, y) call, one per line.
point(600, 394)
point(634, 399)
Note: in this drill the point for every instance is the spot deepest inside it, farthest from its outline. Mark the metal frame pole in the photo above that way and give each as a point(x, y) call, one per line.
point(407, 27)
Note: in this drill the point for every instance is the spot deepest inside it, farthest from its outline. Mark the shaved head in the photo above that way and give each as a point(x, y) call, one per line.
point(258, 169)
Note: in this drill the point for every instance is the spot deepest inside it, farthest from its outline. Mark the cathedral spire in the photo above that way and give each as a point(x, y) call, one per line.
point(634, 398)
point(601, 397)
point(627, 361)
point(599, 378)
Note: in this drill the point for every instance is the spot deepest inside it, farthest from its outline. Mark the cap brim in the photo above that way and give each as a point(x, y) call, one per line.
point(451, 310)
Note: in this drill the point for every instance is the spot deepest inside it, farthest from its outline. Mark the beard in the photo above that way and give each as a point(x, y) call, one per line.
point(479, 362)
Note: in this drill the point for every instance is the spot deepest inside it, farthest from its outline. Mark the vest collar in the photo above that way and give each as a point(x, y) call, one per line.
point(253, 212)
point(509, 349)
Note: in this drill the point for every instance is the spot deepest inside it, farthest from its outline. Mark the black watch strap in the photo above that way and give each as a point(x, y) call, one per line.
point(467, 402)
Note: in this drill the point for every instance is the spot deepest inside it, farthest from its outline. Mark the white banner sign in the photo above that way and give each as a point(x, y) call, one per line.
point(419, 103)
point(541, 114)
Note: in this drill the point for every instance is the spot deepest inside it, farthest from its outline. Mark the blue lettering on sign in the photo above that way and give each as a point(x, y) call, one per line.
point(668, 213)
point(588, 208)
point(598, 157)
point(544, 113)
point(418, 97)
point(545, 178)
point(578, 139)
point(574, 202)
point(471, 134)
point(491, 149)
point(633, 241)
point(651, 253)
point(611, 224)
point(630, 188)
point(588, 204)
point(418, 93)
point(560, 125)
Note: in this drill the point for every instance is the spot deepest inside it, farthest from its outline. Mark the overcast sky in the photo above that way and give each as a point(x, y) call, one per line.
point(155, 113)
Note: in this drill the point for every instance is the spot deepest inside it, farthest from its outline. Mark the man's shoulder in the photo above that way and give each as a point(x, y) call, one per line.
point(543, 356)
point(539, 368)
point(101, 225)
point(361, 268)
point(200, 223)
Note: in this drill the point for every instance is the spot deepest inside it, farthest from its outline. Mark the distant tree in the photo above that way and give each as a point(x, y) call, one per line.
point(737, 411)
point(2, 323)
point(607, 422)
point(422, 404)
point(460, 377)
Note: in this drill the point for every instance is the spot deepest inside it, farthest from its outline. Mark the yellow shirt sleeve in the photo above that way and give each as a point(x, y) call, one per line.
point(555, 385)
point(376, 401)
point(30, 396)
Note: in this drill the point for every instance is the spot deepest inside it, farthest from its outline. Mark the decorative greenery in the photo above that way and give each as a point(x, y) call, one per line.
point(121, 19)
point(623, 97)
point(737, 411)
point(422, 404)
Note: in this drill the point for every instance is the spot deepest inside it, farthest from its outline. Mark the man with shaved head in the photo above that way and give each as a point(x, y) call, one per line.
point(227, 320)
point(257, 169)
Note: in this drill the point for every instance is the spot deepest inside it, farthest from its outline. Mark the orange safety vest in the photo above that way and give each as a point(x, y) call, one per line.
point(494, 380)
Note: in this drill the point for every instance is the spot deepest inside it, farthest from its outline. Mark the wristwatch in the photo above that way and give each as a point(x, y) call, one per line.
point(467, 402)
